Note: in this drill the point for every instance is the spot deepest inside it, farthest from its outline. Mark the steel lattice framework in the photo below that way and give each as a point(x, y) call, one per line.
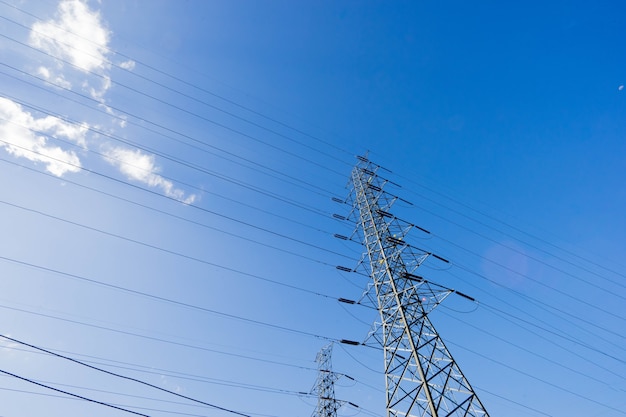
point(327, 405)
point(422, 378)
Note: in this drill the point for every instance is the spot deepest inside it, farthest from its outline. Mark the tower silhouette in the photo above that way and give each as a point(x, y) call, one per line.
point(422, 378)
point(327, 405)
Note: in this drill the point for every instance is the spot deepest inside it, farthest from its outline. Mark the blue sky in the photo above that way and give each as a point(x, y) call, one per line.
point(166, 204)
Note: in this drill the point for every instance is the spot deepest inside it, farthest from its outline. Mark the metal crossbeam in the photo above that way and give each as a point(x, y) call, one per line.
point(422, 378)
point(327, 405)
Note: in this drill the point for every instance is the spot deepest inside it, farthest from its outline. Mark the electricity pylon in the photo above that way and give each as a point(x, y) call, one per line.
point(327, 405)
point(422, 378)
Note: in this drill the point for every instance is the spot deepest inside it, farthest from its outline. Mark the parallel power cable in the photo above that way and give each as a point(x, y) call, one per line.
point(547, 307)
point(536, 378)
point(537, 281)
point(104, 371)
point(30, 381)
point(564, 337)
point(248, 224)
point(137, 335)
point(529, 351)
point(178, 108)
point(104, 392)
point(517, 370)
point(511, 226)
point(534, 280)
point(17, 23)
point(259, 167)
point(153, 296)
point(135, 203)
point(613, 293)
point(214, 381)
point(141, 336)
point(182, 375)
point(230, 316)
point(326, 143)
point(178, 161)
point(94, 73)
point(151, 370)
point(553, 331)
point(377, 371)
point(195, 167)
point(559, 345)
point(194, 86)
point(534, 258)
point(169, 412)
point(578, 300)
point(461, 213)
point(181, 218)
point(556, 331)
point(514, 402)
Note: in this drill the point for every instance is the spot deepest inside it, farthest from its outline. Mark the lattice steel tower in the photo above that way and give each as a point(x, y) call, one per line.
point(422, 378)
point(327, 405)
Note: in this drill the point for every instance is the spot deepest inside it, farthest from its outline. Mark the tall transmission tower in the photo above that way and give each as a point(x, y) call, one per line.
point(422, 378)
point(327, 405)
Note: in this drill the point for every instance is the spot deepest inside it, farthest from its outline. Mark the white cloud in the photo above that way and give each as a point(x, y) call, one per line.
point(56, 79)
point(128, 65)
point(77, 35)
point(44, 72)
point(139, 166)
point(21, 136)
point(98, 94)
point(8, 345)
point(621, 87)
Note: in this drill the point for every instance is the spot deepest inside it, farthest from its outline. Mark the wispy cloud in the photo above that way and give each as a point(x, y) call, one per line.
point(128, 65)
point(141, 167)
point(24, 136)
point(78, 35)
point(56, 79)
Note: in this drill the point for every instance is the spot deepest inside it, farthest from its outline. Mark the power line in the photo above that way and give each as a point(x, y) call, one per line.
point(534, 258)
point(531, 352)
point(326, 143)
point(257, 113)
point(245, 223)
point(145, 244)
point(168, 157)
point(76, 361)
point(536, 378)
point(135, 407)
point(528, 297)
point(512, 226)
point(72, 394)
point(181, 218)
point(164, 299)
point(179, 108)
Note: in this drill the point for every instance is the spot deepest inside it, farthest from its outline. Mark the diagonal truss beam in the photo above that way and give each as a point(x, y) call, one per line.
point(422, 378)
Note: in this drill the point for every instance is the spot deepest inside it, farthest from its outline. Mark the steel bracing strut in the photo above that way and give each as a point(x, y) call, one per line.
point(422, 378)
point(327, 405)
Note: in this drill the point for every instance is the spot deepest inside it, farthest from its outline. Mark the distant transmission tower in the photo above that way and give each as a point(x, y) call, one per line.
point(422, 378)
point(327, 405)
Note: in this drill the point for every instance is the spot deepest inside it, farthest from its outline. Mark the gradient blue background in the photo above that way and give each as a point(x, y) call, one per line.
point(504, 123)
